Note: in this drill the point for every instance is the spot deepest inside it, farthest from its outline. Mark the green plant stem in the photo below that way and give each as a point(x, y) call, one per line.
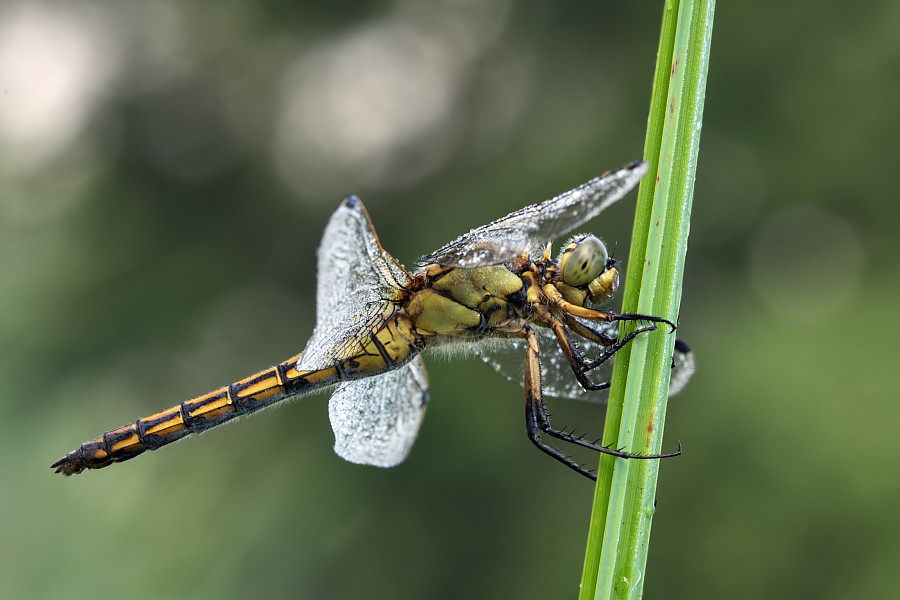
point(624, 500)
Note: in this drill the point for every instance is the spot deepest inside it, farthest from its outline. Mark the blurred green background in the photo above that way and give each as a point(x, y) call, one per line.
point(167, 168)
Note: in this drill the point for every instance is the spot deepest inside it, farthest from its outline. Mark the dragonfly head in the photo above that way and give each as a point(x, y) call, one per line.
point(587, 271)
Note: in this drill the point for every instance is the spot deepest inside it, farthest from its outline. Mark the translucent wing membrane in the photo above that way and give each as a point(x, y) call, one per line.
point(357, 280)
point(558, 381)
point(684, 368)
point(507, 358)
point(375, 420)
point(529, 229)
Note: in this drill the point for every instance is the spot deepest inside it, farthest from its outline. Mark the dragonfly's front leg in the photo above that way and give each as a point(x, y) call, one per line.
point(537, 420)
point(557, 300)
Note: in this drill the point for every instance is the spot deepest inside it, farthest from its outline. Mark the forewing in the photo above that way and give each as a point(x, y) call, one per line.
point(375, 420)
point(531, 228)
point(507, 358)
point(357, 280)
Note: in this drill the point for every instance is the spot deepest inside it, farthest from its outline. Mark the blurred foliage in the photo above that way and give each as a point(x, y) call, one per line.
point(166, 170)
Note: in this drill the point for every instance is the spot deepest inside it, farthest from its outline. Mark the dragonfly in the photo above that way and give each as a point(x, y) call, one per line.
point(494, 291)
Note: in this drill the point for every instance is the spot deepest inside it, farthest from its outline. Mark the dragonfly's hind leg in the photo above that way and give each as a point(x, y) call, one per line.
point(537, 420)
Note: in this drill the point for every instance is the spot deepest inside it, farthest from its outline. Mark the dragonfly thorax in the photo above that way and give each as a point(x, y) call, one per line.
point(451, 303)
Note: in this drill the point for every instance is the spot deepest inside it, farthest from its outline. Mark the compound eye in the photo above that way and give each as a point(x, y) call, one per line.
point(584, 262)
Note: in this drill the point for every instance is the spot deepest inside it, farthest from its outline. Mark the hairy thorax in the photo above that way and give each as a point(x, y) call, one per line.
point(448, 305)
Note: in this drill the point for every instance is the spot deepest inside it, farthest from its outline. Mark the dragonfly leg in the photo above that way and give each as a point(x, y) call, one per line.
point(586, 332)
point(610, 343)
point(557, 300)
point(639, 317)
point(537, 420)
point(610, 351)
point(577, 361)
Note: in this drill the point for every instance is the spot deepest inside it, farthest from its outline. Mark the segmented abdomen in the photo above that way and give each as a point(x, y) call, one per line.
point(279, 383)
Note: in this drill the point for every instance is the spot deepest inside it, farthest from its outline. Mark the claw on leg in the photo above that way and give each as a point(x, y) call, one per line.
point(537, 421)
